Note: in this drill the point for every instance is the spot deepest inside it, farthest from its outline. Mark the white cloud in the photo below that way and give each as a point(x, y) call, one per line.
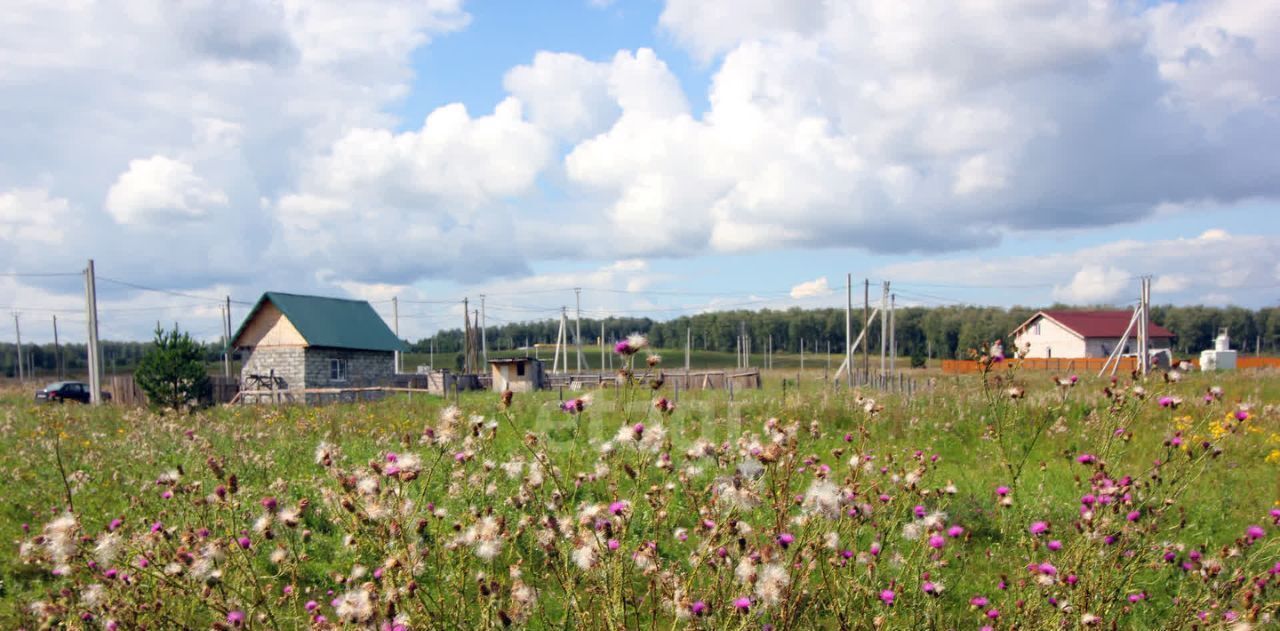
point(811, 288)
point(1170, 283)
point(160, 188)
point(31, 216)
point(1094, 284)
point(1230, 266)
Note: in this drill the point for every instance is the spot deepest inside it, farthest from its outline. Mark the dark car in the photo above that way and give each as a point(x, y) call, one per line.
point(62, 391)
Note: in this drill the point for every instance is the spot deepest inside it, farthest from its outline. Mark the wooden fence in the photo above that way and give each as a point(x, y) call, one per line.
point(125, 391)
point(1089, 364)
point(1056, 364)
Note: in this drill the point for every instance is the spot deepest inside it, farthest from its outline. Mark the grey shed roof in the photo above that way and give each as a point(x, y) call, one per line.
point(330, 322)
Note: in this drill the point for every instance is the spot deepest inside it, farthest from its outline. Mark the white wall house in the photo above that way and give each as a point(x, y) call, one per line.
point(1076, 334)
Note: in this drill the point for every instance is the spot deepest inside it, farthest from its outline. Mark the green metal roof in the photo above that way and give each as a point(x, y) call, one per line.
point(330, 322)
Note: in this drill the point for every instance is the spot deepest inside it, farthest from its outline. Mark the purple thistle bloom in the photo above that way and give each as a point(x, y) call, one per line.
point(1255, 533)
point(269, 503)
point(785, 539)
point(1055, 545)
point(1166, 402)
point(1038, 527)
point(1002, 491)
point(887, 596)
point(622, 348)
point(1086, 459)
point(742, 603)
point(1242, 415)
point(311, 605)
point(937, 541)
point(115, 524)
point(157, 527)
point(979, 601)
point(235, 618)
point(617, 508)
point(955, 531)
point(1133, 515)
point(244, 542)
point(698, 608)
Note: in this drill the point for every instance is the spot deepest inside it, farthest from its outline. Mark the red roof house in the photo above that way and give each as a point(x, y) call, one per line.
point(1071, 334)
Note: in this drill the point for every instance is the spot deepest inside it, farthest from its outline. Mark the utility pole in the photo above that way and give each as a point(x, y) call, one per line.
point(602, 347)
point(57, 348)
point(893, 336)
point(866, 325)
point(226, 348)
point(466, 335)
point(688, 342)
point(577, 327)
point(475, 356)
point(95, 354)
point(884, 324)
point(484, 340)
point(848, 330)
point(395, 324)
point(22, 366)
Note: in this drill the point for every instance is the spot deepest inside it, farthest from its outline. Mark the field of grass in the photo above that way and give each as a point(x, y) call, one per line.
point(673, 357)
point(1017, 502)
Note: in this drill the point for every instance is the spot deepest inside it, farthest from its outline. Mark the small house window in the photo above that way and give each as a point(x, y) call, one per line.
point(337, 370)
point(519, 369)
point(1035, 329)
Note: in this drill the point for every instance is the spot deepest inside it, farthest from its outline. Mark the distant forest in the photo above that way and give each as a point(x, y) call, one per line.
point(936, 332)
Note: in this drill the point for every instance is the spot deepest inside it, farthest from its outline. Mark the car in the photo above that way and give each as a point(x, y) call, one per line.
point(63, 391)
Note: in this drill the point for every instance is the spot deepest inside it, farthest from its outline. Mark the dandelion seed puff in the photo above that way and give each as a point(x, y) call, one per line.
point(772, 580)
point(746, 570)
point(278, 556)
point(822, 498)
point(263, 523)
point(92, 595)
point(652, 439)
point(107, 548)
point(584, 556)
point(355, 606)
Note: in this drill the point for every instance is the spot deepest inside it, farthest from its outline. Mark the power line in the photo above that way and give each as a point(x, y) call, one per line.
point(39, 274)
point(168, 291)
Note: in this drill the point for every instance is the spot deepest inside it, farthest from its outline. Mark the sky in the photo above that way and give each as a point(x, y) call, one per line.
point(665, 157)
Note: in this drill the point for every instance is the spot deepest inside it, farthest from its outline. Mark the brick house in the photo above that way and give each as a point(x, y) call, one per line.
point(1077, 334)
point(292, 342)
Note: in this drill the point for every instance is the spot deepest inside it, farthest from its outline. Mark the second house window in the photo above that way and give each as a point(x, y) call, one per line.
point(337, 370)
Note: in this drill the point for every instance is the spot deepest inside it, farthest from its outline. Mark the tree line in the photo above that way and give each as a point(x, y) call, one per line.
point(945, 332)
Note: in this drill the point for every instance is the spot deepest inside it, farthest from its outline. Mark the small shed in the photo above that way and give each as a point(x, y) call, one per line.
point(517, 374)
point(295, 343)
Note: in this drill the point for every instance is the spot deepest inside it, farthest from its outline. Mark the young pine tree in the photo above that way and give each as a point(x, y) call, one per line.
point(172, 373)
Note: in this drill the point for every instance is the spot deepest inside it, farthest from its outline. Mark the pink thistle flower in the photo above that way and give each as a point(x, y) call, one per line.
point(1255, 533)
point(875, 548)
point(166, 495)
point(1072, 579)
point(1086, 458)
point(1055, 545)
point(1038, 527)
point(243, 542)
point(1133, 598)
point(1242, 415)
point(785, 539)
point(993, 613)
point(613, 544)
point(1133, 515)
point(270, 503)
point(937, 541)
point(742, 603)
point(1166, 402)
point(311, 605)
point(114, 525)
point(1002, 491)
point(955, 531)
point(698, 608)
point(887, 596)
point(622, 348)
point(979, 601)
point(157, 527)
point(919, 511)
point(929, 588)
point(235, 618)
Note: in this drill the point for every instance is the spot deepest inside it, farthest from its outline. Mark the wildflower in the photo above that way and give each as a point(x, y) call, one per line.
point(771, 582)
point(311, 605)
point(785, 539)
point(698, 608)
point(1242, 415)
point(1039, 527)
point(354, 606)
point(1133, 515)
point(887, 596)
point(937, 542)
point(955, 531)
point(742, 604)
point(1086, 459)
point(1055, 545)
point(1002, 491)
point(235, 618)
point(931, 588)
point(979, 601)
point(1255, 533)
point(632, 345)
